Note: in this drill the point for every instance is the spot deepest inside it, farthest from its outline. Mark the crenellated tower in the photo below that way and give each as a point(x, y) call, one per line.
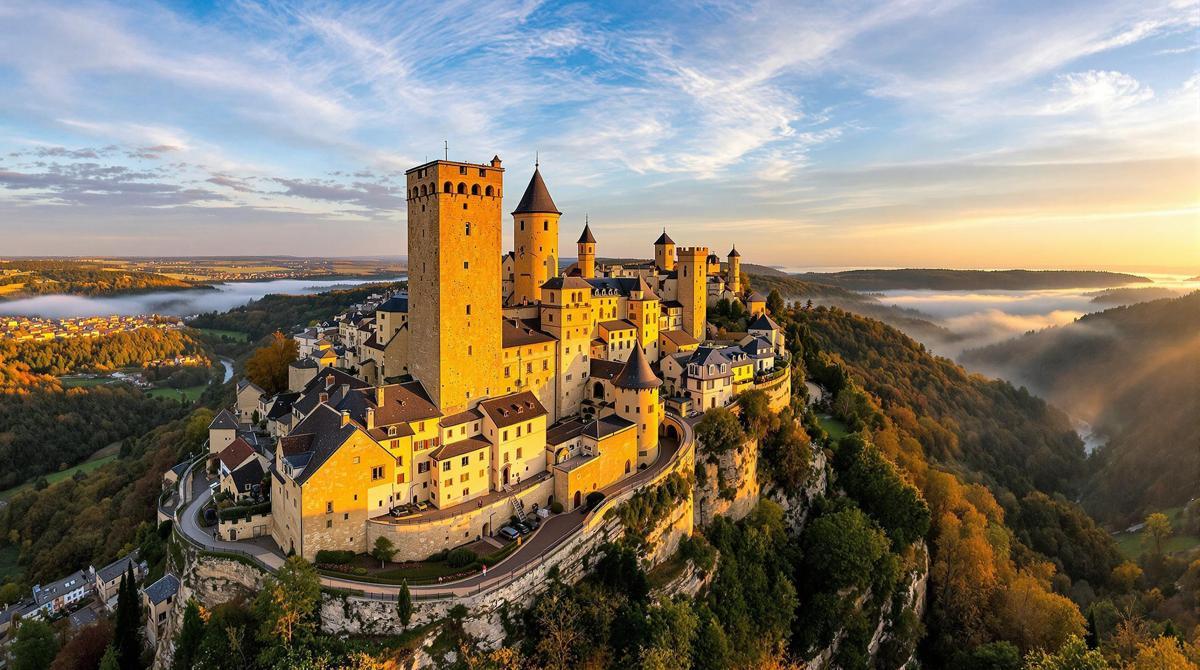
point(691, 289)
point(454, 220)
point(535, 241)
point(587, 253)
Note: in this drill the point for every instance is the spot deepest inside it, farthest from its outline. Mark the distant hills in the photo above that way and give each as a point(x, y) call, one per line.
point(1129, 296)
point(960, 280)
point(1133, 372)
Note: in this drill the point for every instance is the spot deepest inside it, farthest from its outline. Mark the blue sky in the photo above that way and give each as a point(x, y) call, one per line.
point(960, 134)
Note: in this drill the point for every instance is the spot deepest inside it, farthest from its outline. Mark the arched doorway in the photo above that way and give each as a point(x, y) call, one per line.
point(598, 391)
point(628, 465)
point(504, 474)
point(578, 498)
point(487, 529)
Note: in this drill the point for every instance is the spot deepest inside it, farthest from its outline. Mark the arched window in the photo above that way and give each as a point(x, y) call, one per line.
point(474, 189)
point(487, 191)
point(462, 188)
point(432, 188)
point(415, 192)
point(627, 466)
point(424, 191)
point(598, 391)
point(447, 187)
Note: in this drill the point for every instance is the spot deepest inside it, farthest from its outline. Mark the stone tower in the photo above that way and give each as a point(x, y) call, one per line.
point(734, 281)
point(664, 252)
point(636, 390)
point(691, 291)
point(454, 220)
point(535, 241)
point(587, 253)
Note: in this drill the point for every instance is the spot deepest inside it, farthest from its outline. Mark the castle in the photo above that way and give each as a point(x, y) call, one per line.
point(503, 382)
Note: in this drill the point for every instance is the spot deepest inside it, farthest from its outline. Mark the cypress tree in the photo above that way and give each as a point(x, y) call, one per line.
point(127, 637)
point(404, 604)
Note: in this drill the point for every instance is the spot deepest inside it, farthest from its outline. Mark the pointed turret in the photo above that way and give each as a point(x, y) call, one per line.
point(664, 252)
point(733, 253)
point(587, 252)
point(637, 373)
point(586, 237)
point(537, 198)
point(734, 281)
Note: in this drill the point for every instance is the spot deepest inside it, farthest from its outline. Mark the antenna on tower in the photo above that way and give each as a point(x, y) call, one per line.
point(446, 146)
point(537, 160)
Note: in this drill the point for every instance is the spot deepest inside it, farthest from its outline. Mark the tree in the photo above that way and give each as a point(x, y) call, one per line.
point(756, 413)
point(1125, 576)
point(268, 365)
point(109, 660)
point(85, 649)
point(11, 593)
point(1156, 533)
point(287, 605)
point(383, 550)
point(1074, 655)
point(128, 635)
point(775, 302)
point(35, 645)
point(840, 548)
point(1032, 617)
point(719, 431)
point(1164, 653)
point(711, 650)
point(992, 656)
point(404, 604)
point(191, 633)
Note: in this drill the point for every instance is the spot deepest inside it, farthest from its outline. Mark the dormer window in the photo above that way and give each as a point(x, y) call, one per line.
point(391, 431)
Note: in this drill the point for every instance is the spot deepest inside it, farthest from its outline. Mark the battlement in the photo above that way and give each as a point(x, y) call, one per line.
point(692, 252)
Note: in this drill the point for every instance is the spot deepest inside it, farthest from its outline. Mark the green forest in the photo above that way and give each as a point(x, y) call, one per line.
point(37, 277)
point(129, 348)
point(1132, 373)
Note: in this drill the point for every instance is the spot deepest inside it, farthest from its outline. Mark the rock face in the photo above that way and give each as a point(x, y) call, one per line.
point(797, 504)
point(727, 485)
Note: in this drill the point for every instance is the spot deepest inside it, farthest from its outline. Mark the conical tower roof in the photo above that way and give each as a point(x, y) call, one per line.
point(637, 373)
point(586, 237)
point(537, 197)
point(733, 253)
point(664, 239)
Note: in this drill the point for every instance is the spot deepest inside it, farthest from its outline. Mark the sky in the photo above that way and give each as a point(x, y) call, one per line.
point(925, 133)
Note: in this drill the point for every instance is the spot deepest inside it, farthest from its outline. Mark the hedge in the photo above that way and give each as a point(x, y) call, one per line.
point(235, 513)
point(335, 557)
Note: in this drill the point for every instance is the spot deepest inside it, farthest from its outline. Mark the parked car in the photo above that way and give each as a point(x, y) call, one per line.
point(532, 521)
point(509, 533)
point(522, 527)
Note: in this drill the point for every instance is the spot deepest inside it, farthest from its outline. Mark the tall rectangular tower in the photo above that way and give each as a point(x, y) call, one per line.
point(454, 280)
point(691, 272)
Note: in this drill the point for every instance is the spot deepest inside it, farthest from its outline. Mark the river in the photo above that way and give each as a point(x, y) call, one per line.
point(221, 297)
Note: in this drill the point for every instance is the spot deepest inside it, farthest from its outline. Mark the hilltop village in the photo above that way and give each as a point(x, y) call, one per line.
point(501, 385)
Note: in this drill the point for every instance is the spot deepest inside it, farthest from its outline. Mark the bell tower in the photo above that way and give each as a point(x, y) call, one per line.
point(664, 252)
point(734, 281)
point(454, 220)
point(535, 241)
point(587, 252)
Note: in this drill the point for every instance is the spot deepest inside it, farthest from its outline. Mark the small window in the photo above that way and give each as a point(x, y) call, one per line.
point(545, 225)
point(466, 460)
point(468, 227)
point(447, 187)
point(329, 507)
point(468, 310)
point(466, 265)
point(462, 188)
point(446, 466)
point(474, 189)
point(482, 172)
point(462, 169)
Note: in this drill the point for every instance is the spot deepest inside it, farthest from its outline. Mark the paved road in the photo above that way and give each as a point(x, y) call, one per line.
point(533, 547)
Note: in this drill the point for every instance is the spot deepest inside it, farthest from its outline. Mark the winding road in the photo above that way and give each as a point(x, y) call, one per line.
point(532, 552)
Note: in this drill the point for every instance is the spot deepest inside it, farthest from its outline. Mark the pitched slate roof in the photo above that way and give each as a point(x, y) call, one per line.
point(758, 348)
point(558, 283)
point(637, 373)
point(618, 324)
point(664, 239)
point(249, 474)
point(602, 369)
point(165, 587)
point(117, 568)
point(513, 409)
point(47, 593)
point(565, 430)
point(586, 237)
point(318, 436)
point(679, 338)
point(755, 296)
point(763, 322)
point(621, 285)
point(733, 253)
point(396, 303)
point(601, 428)
point(282, 406)
point(223, 421)
point(516, 333)
point(537, 197)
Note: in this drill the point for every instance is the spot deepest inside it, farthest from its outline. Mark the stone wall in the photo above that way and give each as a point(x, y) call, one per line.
point(797, 504)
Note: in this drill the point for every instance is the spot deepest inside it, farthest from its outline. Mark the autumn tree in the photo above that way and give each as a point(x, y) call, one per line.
point(85, 649)
point(1156, 533)
point(1074, 655)
point(268, 365)
point(1028, 614)
point(287, 605)
point(1165, 653)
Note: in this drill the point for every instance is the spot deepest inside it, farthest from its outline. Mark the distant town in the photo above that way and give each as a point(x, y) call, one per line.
point(32, 328)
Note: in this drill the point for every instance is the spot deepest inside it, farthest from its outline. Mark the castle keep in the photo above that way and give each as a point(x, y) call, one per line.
point(503, 382)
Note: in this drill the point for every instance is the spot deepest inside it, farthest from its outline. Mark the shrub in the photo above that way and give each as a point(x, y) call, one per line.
point(460, 558)
point(334, 557)
point(556, 507)
point(439, 556)
point(360, 571)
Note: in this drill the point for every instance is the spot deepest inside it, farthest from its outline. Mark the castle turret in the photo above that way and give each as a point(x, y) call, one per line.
point(535, 241)
point(587, 253)
point(734, 281)
point(636, 389)
point(664, 252)
point(692, 290)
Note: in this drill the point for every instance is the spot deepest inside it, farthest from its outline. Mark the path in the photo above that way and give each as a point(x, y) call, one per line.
point(553, 531)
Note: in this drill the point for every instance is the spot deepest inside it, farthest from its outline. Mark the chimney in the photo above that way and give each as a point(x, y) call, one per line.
point(323, 397)
point(370, 417)
point(345, 416)
point(379, 396)
point(328, 382)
